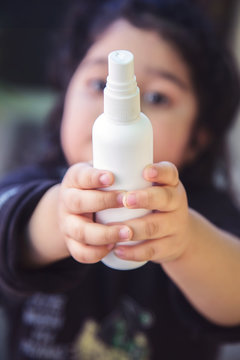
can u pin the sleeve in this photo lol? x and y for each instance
(19, 195)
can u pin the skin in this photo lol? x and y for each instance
(201, 259)
(162, 72)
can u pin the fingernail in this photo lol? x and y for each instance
(152, 172)
(119, 252)
(120, 198)
(105, 179)
(124, 233)
(129, 199)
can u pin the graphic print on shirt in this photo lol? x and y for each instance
(43, 317)
(121, 336)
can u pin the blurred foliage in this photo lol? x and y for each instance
(19, 103)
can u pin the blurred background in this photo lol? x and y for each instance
(27, 31)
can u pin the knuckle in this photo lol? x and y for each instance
(73, 201)
(146, 198)
(88, 178)
(95, 177)
(168, 197)
(151, 228)
(107, 236)
(171, 172)
(133, 256)
(75, 175)
(76, 203)
(150, 198)
(150, 253)
(105, 199)
(82, 175)
(78, 233)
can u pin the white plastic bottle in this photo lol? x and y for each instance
(122, 140)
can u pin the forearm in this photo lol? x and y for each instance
(208, 271)
(44, 243)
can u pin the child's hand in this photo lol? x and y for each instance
(88, 242)
(165, 228)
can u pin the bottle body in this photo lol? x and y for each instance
(124, 149)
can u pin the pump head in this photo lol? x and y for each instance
(121, 66)
(121, 95)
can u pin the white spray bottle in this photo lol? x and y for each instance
(122, 140)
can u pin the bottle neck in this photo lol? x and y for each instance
(122, 105)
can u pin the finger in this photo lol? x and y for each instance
(95, 234)
(81, 201)
(84, 176)
(152, 226)
(160, 250)
(163, 198)
(164, 173)
(144, 251)
(87, 254)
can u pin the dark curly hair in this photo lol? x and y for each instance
(213, 71)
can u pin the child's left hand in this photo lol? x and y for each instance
(165, 229)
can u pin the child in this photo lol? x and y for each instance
(62, 302)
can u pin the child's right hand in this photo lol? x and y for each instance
(87, 241)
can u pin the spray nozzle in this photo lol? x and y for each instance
(121, 66)
(121, 95)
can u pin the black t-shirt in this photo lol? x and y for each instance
(69, 310)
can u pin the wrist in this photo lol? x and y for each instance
(186, 244)
(44, 242)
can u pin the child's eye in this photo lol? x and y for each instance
(156, 98)
(98, 85)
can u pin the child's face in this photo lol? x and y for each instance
(167, 95)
